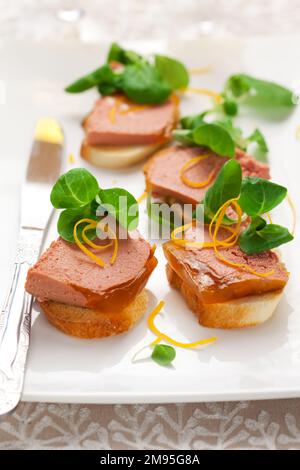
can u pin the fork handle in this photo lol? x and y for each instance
(15, 321)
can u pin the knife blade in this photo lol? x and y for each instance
(43, 169)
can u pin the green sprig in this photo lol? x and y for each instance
(139, 79)
(256, 197)
(79, 194)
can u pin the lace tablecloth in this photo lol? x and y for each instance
(261, 424)
(254, 425)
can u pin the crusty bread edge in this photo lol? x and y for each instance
(245, 312)
(108, 156)
(90, 323)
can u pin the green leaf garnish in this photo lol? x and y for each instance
(85, 83)
(230, 107)
(259, 196)
(117, 53)
(184, 136)
(69, 217)
(172, 71)
(226, 186)
(261, 237)
(259, 139)
(262, 148)
(258, 92)
(190, 123)
(163, 354)
(141, 81)
(74, 189)
(256, 196)
(99, 77)
(215, 138)
(235, 132)
(207, 135)
(78, 192)
(143, 84)
(120, 204)
(193, 121)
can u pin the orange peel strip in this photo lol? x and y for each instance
(268, 215)
(182, 241)
(195, 184)
(142, 197)
(82, 247)
(161, 336)
(71, 158)
(215, 243)
(218, 221)
(200, 70)
(131, 108)
(112, 113)
(93, 224)
(89, 242)
(115, 239)
(204, 91)
(218, 218)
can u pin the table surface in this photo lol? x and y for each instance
(261, 424)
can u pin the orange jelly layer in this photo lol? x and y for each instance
(215, 282)
(115, 300)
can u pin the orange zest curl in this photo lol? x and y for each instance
(71, 159)
(196, 184)
(184, 242)
(200, 70)
(113, 111)
(89, 242)
(204, 91)
(217, 220)
(162, 336)
(269, 217)
(93, 224)
(142, 197)
(215, 243)
(130, 108)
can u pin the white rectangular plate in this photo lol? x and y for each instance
(262, 362)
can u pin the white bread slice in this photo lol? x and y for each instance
(240, 313)
(90, 323)
(110, 156)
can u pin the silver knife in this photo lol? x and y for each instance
(15, 319)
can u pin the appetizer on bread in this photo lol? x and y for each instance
(226, 269)
(184, 172)
(221, 295)
(87, 286)
(120, 133)
(167, 179)
(138, 108)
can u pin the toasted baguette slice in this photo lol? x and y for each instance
(89, 323)
(110, 156)
(240, 313)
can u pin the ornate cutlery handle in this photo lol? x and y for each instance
(15, 321)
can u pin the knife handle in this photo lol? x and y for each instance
(15, 321)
